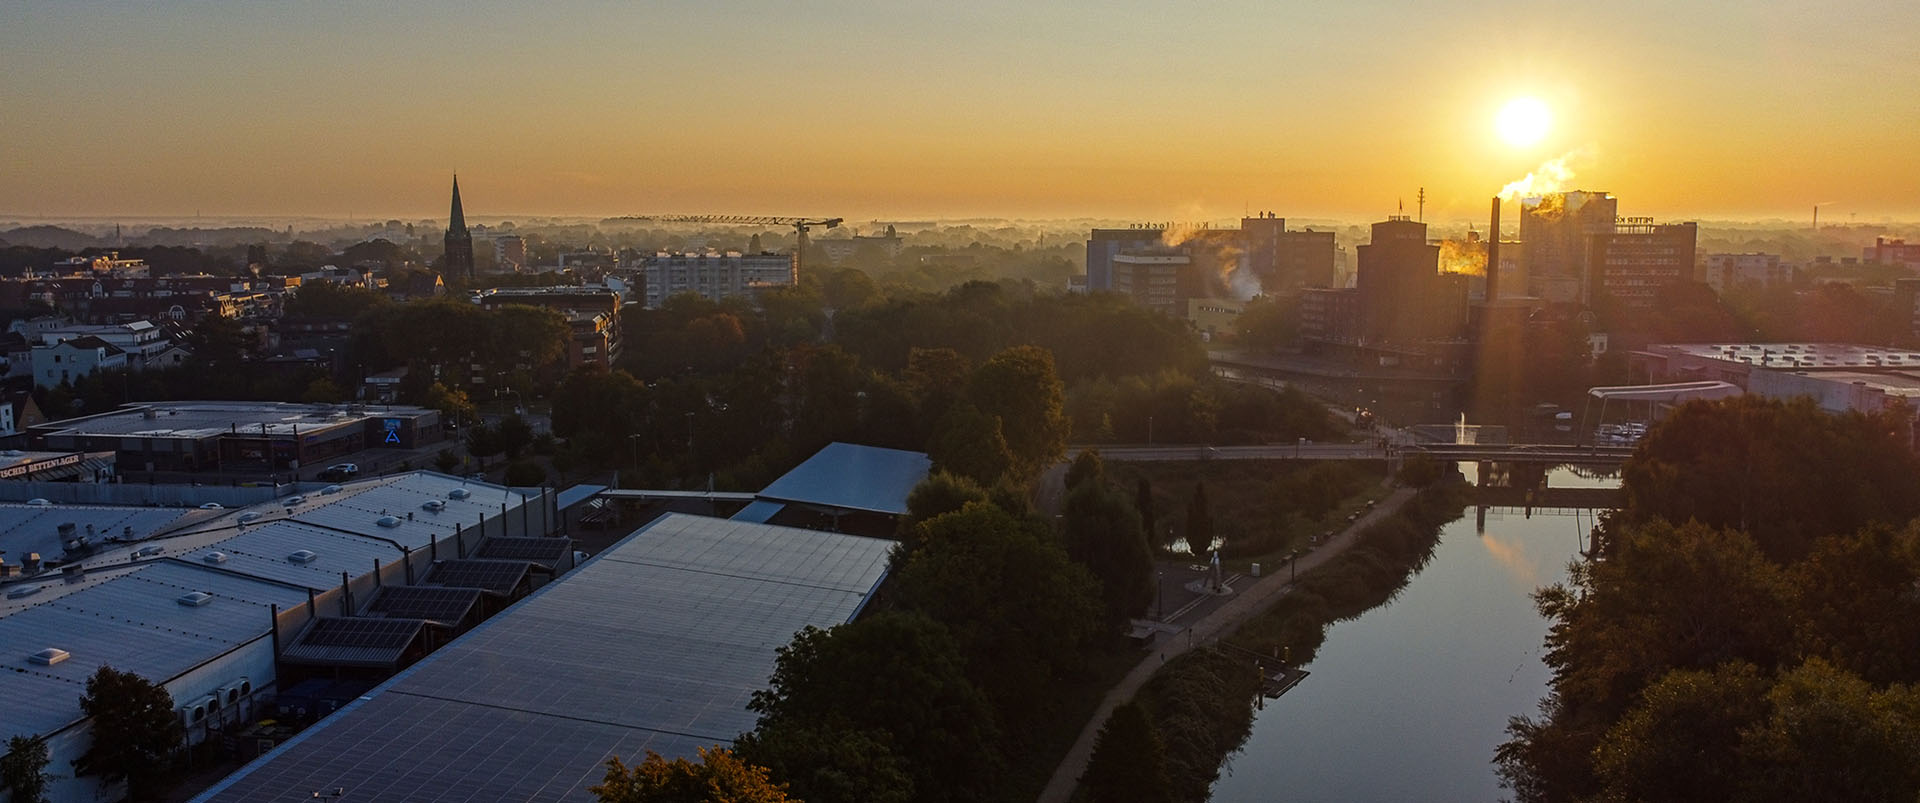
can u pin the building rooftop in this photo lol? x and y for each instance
(847, 477)
(1796, 356)
(656, 644)
(121, 606)
(201, 419)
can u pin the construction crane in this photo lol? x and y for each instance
(801, 225)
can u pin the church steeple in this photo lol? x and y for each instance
(458, 220)
(459, 255)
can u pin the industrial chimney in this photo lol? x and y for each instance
(1493, 254)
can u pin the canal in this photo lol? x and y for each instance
(1408, 701)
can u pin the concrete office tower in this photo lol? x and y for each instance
(1554, 231)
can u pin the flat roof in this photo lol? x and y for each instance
(655, 644)
(203, 419)
(130, 619)
(1672, 391)
(1796, 356)
(845, 476)
(123, 609)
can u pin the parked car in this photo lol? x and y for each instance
(340, 471)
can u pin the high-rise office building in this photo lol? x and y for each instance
(1635, 262)
(1554, 233)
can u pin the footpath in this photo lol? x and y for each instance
(1245, 605)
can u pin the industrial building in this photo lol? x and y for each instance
(1276, 260)
(1746, 271)
(657, 643)
(244, 437)
(1837, 376)
(220, 605)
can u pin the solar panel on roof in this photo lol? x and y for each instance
(438, 603)
(543, 550)
(496, 576)
(379, 634)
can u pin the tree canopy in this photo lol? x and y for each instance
(718, 777)
(135, 729)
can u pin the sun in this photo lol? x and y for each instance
(1523, 122)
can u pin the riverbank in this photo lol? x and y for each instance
(1243, 608)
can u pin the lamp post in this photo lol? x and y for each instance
(1293, 559)
(689, 435)
(1159, 579)
(635, 439)
(1149, 430)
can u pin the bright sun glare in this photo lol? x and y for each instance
(1523, 122)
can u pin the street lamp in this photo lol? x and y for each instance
(1149, 430)
(635, 438)
(689, 434)
(1159, 579)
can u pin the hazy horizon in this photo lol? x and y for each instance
(993, 110)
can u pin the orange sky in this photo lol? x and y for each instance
(910, 110)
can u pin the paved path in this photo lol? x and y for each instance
(1250, 602)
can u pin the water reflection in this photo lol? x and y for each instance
(1409, 701)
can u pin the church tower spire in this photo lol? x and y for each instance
(459, 254)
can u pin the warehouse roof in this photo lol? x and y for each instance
(655, 644)
(844, 476)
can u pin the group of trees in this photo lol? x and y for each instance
(1752, 632)
(988, 619)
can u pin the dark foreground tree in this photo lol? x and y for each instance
(135, 730)
(870, 699)
(23, 771)
(719, 777)
(1199, 523)
(1129, 763)
(1102, 532)
(1086, 467)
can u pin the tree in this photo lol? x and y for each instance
(1143, 502)
(514, 434)
(23, 771)
(1086, 467)
(1784, 471)
(897, 676)
(969, 443)
(1129, 763)
(940, 493)
(1020, 610)
(454, 405)
(483, 440)
(719, 777)
(1199, 523)
(1681, 740)
(135, 730)
(1419, 471)
(1102, 532)
(1019, 387)
(525, 474)
(446, 461)
(322, 391)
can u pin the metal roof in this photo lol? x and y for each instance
(655, 644)
(263, 551)
(130, 619)
(844, 476)
(759, 512)
(203, 419)
(33, 528)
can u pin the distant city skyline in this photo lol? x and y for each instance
(994, 109)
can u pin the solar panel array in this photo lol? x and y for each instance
(353, 642)
(493, 576)
(439, 604)
(548, 551)
(657, 644)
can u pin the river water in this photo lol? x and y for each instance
(1409, 701)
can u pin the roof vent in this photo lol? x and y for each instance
(195, 599)
(304, 556)
(149, 551)
(24, 591)
(39, 502)
(433, 506)
(459, 493)
(388, 521)
(294, 500)
(251, 516)
(331, 489)
(49, 656)
(215, 557)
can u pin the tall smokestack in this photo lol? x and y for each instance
(1493, 253)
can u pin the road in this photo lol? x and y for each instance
(1280, 451)
(1250, 602)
